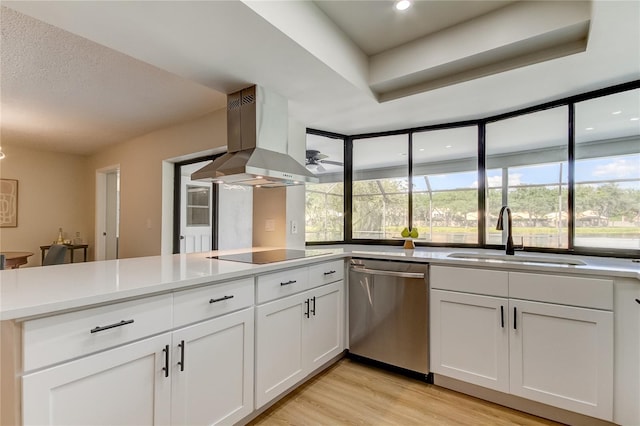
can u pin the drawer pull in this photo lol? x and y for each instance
(181, 362)
(221, 299)
(166, 361)
(289, 282)
(107, 327)
(330, 272)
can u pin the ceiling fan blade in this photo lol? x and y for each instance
(335, 163)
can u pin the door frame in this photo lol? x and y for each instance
(177, 180)
(101, 207)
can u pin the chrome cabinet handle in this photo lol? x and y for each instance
(289, 282)
(330, 272)
(220, 299)
(107, 327)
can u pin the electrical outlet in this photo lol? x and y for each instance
(294, 227)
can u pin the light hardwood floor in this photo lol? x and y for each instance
(350, 393)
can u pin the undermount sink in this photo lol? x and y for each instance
(517, 258)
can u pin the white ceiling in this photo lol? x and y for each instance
(77, 76)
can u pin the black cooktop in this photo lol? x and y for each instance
(267, 256)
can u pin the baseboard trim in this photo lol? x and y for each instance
(518, 403)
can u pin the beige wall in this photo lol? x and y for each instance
(53, 193)
(140, 163)
(269, 204)
(59, 190)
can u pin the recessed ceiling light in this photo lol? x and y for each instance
(634, 119)
(616, 112)
(403, 4)
(421, 149)
(589, 128)
(448, 146)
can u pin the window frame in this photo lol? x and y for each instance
(480, 124)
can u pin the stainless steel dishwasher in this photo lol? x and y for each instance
(389, 313)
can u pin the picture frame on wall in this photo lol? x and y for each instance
(8, 203)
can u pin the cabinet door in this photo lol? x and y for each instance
(626, 409)
(324, 327)
(562, 356)
(122, 386)
(279, 340)
(212, 371)
(470, 339)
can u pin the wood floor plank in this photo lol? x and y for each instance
(351, 393)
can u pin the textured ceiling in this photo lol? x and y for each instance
(65, 93)
(103, 72)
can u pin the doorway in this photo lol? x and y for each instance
(107, 213)
(195, 207)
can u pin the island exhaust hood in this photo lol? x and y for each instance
(257, 133)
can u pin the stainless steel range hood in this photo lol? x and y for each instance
(257, 133)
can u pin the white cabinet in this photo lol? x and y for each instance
(323, 336)
(562, 356)
(470, 339)
(547, 352)
(200, 373)
(627, 352)
(123, 386)
(212, 371)
(294, 335)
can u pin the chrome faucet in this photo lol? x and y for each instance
(499, 227)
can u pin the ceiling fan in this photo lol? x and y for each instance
(315, 159)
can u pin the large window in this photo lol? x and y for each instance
(527, 170)
(324, 212)
(380, 187)
(607, 174)
(568, 170)
(445, 182)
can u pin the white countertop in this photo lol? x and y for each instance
(38, 291)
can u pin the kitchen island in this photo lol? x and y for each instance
(253, 299)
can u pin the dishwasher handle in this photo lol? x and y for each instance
(419, 275)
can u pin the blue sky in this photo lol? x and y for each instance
(598, 169)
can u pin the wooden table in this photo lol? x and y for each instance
(71, 248)
(13, 259)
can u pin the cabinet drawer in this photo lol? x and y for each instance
(191, 306)
(58, 338)
(565, 290)
(324, 273)
(469, 280)
(279, 284)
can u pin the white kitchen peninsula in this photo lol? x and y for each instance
(174, 333)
